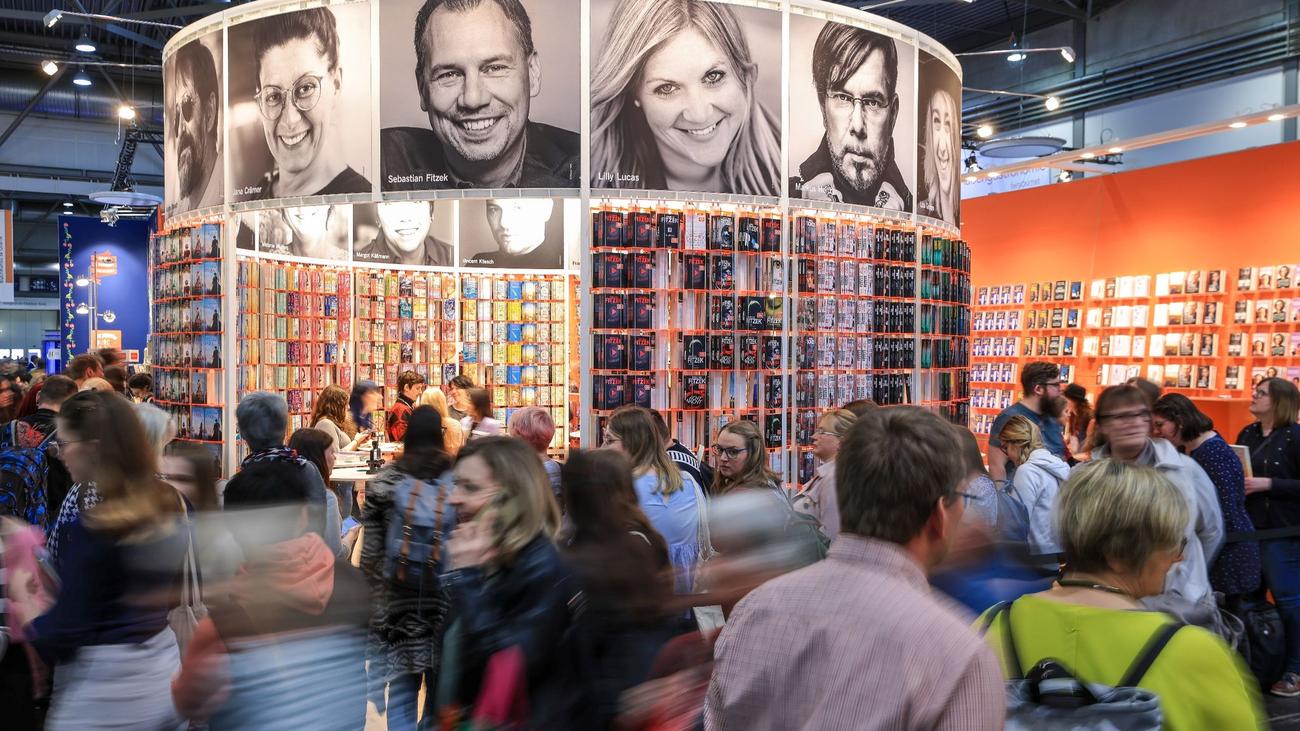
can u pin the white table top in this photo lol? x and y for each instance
(352, 474)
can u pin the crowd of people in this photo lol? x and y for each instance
(477, 580)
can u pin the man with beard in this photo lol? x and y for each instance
(405, 237)
(518, 227)
(1042, 404)
(855, 73)
(195, 127)
(477, 71)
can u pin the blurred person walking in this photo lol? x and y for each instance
(118, 576)
(406, 520)
(1122, 527)
(534, 425)
(668, 496)
(858, 641)
(479, 422)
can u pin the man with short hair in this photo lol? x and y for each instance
(406, 237)
(458, 390)
(194, 128)
(38, 427)
(477, 71)
(518, 227)
(855, 73)
(859, 641)
(84, 367)
(1041, 404)
(409, 387)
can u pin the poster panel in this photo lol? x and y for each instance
(512, 233)
(193, 114)
(938, 141)
(685, 96)
(314, 232)
(479, 97)
(299, 101)
(852, 115)
(405, 233)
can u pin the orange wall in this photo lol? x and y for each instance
(1223, 212)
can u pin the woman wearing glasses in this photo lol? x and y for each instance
(741, 460)
(1123, 433)
(1273, 501)
(299, 83)
(674, 103)
(817, 498)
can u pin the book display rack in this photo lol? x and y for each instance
(1209, 334)
(185, 348)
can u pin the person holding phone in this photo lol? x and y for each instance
(507, 584)
(331, 416)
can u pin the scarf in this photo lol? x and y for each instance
(274, 454)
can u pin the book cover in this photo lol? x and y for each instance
(611, 311)
(722, 351)
(773, 430)
(613, 392)
(1245, 279)
(1076, 290)
(1295, 310)
(670, 231)
(1177, 282)
(771, 354)
(1284, 276)
(1277, 345)
(771, 235)
(722, 312)
(1191, 313)
(1232, 377)
(721, 233)
(643, 270)
(1059, 291)
(1209, 345)
(611, 228)
(1279, 311)
(750, 236)
(643, 229)
(695, 391)
(612, 354)
(774, 393)
(1264, 278)
(1259, 344)
(642, 390)
(610, 269)
(755, 312)
(748, 352)
(643, 311)
(695, 269)
(695, 352)
(1235, 344)
(1193, 282)
(774, 312)
(1295, 345)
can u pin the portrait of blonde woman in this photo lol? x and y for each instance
(678, 101)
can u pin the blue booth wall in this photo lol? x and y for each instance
(125, 293)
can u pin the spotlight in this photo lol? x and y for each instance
(49, 67)
(85, 45)
(1087, 156)
(67, 204)
(1016, 57)
(53, 17)
(82, 78)
(984, 131)
(83, 309)
(1237, 125)
(125, 112)
(1052, 103)
(82, 282)
(109, 316)
(1067, 53)
(1276, 117)
(1115, 150)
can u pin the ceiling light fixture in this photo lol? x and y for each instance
(994, 173)
(1087, 156)
(85, 45)
(125, 112)
(54, 16)
(1237, 125)
(1052, 103)
(82, 78)
(1067, 53)
(1115, 150)
(984, 131)
(49, 67)
(67, 204)
(1276, 117)
(1016, 54)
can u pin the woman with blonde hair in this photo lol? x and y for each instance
(674, 105)
(453, 436)
(667, 495)
(507, 584)
(159, 426)
(1034, 485)
(119, 565)
(330, 415)
(1122, 527)
(741, 460)
(817, 497)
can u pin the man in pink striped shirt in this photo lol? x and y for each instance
(859, 641)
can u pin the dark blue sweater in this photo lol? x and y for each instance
(113, 592)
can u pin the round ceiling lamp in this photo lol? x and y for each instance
(125, 198)
(1021, 147)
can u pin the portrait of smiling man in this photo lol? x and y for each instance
(855, 73)
(477, 74)
(404, 234)
(194, 128)
(512, 233)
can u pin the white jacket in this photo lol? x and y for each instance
(1036, 484)
(1188, 579)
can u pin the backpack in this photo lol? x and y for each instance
(1013, 516)
(1051, 698)
(24, 469)
(414, 535)
(804, 528)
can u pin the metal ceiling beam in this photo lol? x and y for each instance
(118, 30)
(1060, 7)
(36, 99)
(182, 12)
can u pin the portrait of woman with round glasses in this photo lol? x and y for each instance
(289, 95)
(680, 100)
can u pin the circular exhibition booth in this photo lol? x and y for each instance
(719, 210)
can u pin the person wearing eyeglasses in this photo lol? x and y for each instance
(855, 73)
(741, 460)
(1032, 494)
(817, 497)
(193, 129)
(1124, 433)
(299, 85)
(1042, 405)
(1273, 501)
(1122, 530)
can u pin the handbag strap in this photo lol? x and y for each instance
(1142, 663)
(190, 590)
(1008, 640)
(404, 552)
